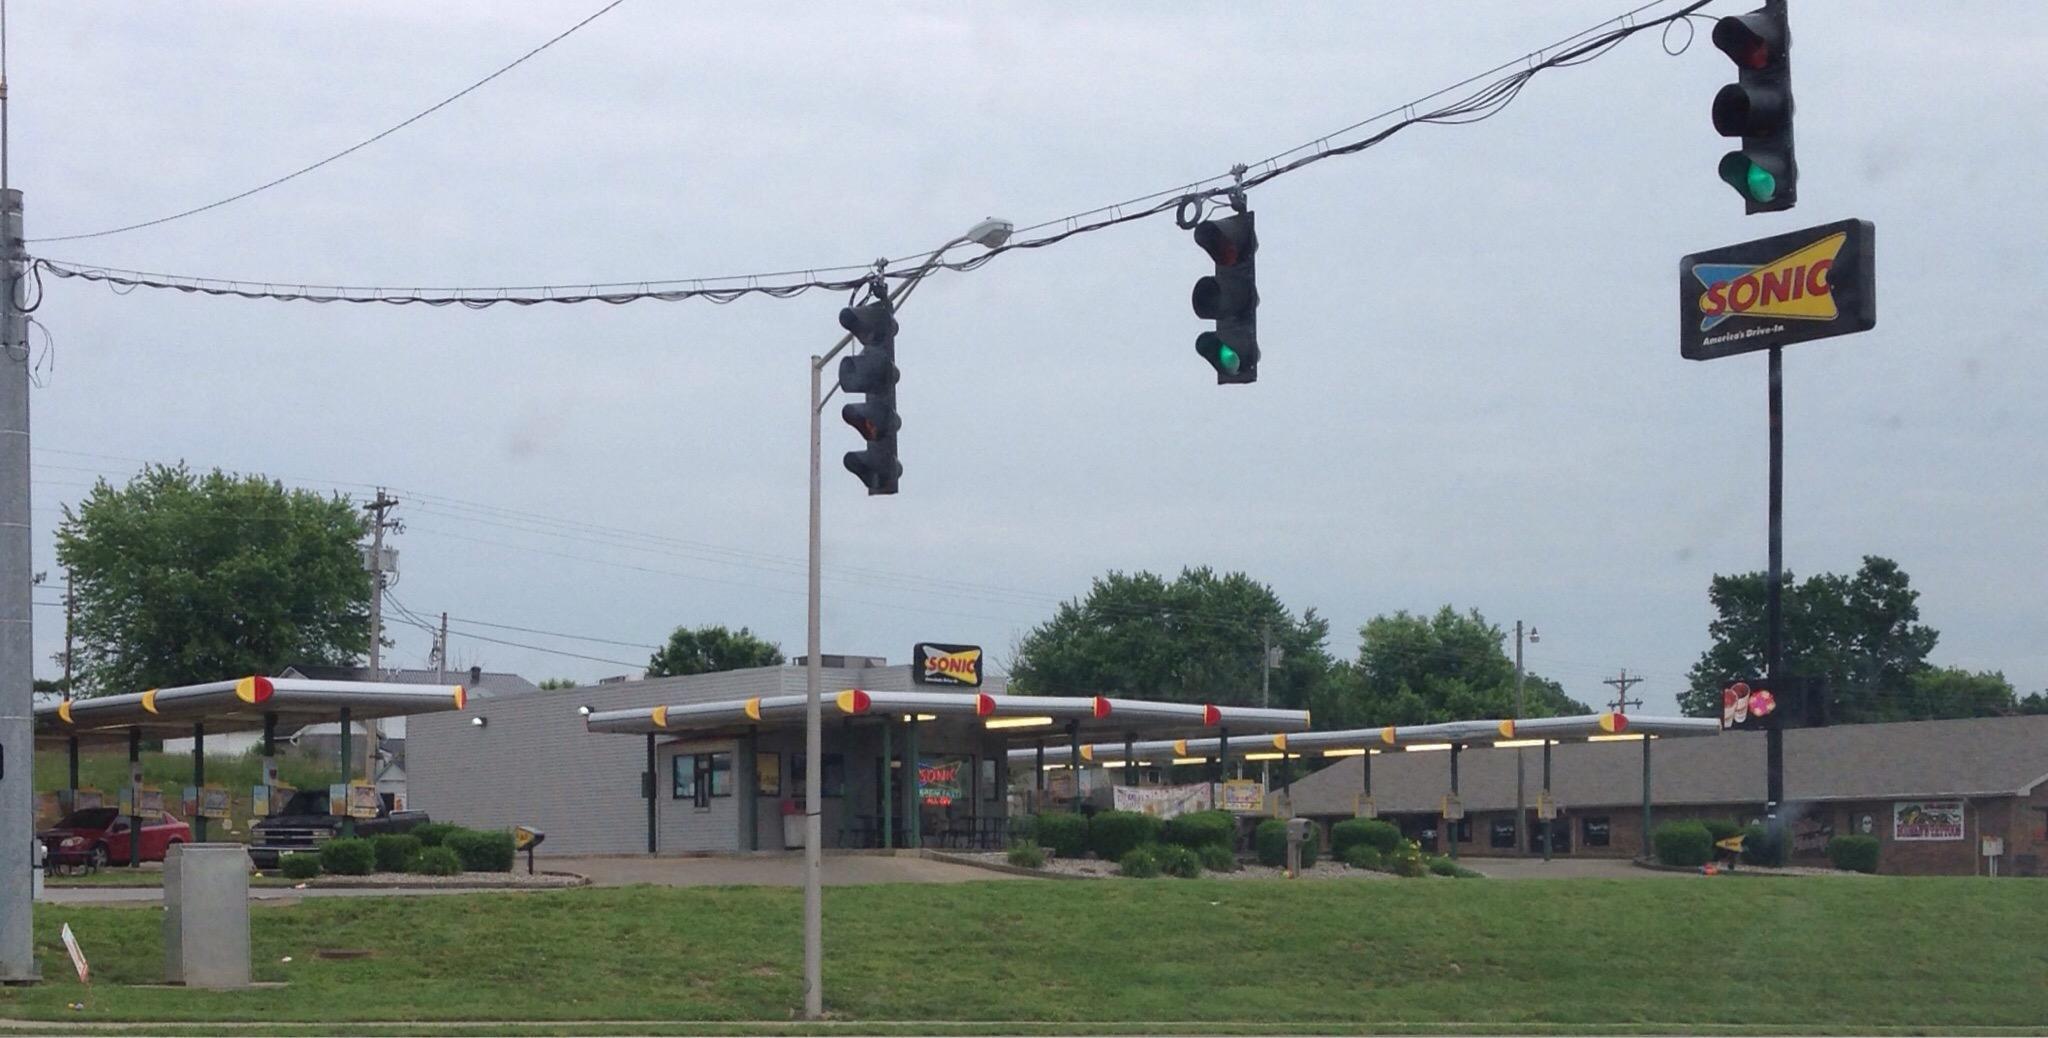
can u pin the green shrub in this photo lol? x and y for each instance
(1023, 831)
(1720, 828)
(300, 865)
(1026, 856)
(1269, 840)
(482, 852)
(394, 851)
(1382, 837)
(1113, 834)
(1853, 853)
(1139, 863)
(1217, 858)
(1759, 849)
(1202, 829)
(1066, 834)
(1407, 861)
(1363, 856)
(347, 856)
(433, 834)
(1177, 861)
(1447, 867)
(437, 861)
(1682, 843)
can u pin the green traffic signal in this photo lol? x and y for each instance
(1748, 177)
(1226, 358)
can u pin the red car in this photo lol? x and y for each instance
(98, 836)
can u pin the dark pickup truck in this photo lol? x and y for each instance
(304, 824)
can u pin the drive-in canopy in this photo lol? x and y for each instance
(237, 705)
(1353, 741)
(1024, 717)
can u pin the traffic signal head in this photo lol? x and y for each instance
(1758, 108)
(872, 373)
(1230, 298)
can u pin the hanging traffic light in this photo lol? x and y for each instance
(1758, 108)
(872, 373)
(1230, 298)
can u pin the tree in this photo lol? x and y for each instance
(181, 579)
(557, 684)
(2034, 703)
(703, 650)
(1451, 666)
(1859, 634)
(47, 686)
(1195, 639)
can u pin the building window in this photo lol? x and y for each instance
(683, 777)
(1597, 831)
(989, 789)
(700, 776)
(1463, 830)
(768, 774)
(1501, 833)
(832, 783)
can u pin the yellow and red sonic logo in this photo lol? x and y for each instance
(1795, 286)
(961, 667)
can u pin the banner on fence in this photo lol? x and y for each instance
(1163, 801)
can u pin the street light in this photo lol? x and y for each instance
(989, 233)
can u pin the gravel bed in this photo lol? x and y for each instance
(519, 880)
(1092, 869)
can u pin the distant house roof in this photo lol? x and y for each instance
(1985, 756)
(488, 683)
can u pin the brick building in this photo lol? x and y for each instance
(1938, 795)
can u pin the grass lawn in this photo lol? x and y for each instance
(1836, 955)
(143, 877)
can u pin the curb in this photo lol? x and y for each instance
(992, 866)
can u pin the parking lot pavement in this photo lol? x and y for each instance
(1565, 868)
(774, 870)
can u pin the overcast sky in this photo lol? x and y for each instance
(1471, 390)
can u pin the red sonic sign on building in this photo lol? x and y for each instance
(1788, 288)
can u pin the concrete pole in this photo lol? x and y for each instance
(1646, 796)
(653, 788)
(888, 804)
(269, 765)
(348, 770)
(198, 780)
(1548, 823)
(1521, 797)
(17, 642)
(135, 796)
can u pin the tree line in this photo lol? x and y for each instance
(181, 577)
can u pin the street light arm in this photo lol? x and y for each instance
(896, 302)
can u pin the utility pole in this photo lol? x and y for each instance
(70, 617)
(17, 642)
(378, 524)
(1622, 684)
(441, 652)
(1266, 695)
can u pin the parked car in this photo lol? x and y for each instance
(98, 837)
(305, 824)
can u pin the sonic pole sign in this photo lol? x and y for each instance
(1810, 284)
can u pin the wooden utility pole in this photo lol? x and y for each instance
(1622, 684)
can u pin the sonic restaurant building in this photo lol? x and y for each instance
(714, 763)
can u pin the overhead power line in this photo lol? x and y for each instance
(1499, 86)
(345, 152)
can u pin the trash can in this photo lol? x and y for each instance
(792, 825)
(206, 915)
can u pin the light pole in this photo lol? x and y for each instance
(1521, 797)
(989, 233)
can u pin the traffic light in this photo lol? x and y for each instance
(872, 373)
(1230, 298)
(1758, 108)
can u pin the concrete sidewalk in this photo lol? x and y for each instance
(770, 870)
